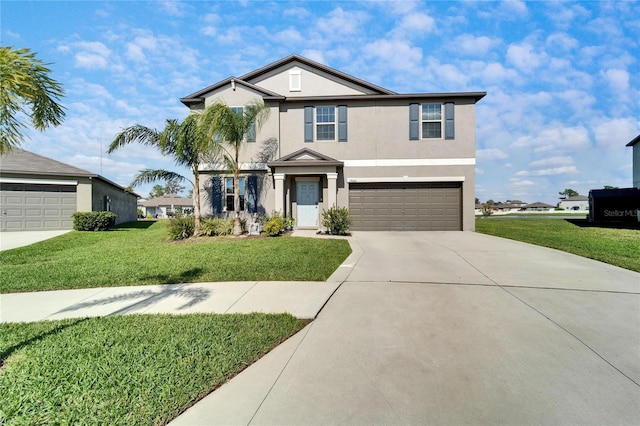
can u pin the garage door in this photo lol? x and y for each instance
(406, 206)
(26, 207)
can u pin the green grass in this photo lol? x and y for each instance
(139, 254)
(126, 370)
(619, 247)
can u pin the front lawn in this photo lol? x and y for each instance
(139, 254)
(126, 370)
(619, 247)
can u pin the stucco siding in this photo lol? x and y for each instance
(121, 203)
(636, 165)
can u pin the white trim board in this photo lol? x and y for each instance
(38, 181)
(403, 162)
(407, 179)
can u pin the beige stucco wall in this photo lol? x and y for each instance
(123, 204)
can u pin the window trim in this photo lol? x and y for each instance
(317, 124)
(243, 194)
(423, 120)
(295, 80)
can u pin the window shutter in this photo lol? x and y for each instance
(449, 125)
(414, 122)
(308, 124)
(216, 194)
(252, 194)
(251, 133)
(342, 123)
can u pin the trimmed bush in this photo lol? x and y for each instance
(274, 226)
(181, 228)
(213, 227)
(337, 220)
(93, 221)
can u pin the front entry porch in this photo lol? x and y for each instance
(300, 180)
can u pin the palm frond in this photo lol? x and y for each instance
(152, 175)
(137, 133)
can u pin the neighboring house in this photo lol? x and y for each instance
(397, 161)
(510, 206)
(537, 207)
(166, 206)
(577, 202)
(38, 193)
(635, 143)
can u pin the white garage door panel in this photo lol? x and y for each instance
(25, 207)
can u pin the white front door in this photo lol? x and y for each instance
(307, 196)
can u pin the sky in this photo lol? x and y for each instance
(562, 78)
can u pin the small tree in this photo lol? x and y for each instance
(568, 192)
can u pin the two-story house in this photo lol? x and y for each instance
(397, 161)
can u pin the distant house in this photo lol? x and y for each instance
(167, 206)
(509, 206)
(538, 207)
(576, 202)
(635, 143)
(38, 193)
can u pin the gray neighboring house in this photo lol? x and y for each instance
(166, 206)
(397, 161)
(577, 202)
(538, 206)
(635, 143)
(38, 193)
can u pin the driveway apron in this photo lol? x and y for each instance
(452, 328)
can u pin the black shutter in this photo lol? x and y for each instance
(342, 123)
(308, 124)
(252, 194)
(414, 122)
(217, 194)
(449, 125)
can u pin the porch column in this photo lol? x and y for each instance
(332, 189)
(279, 190)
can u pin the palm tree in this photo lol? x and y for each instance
(185, 141)
(230, 130)
(26, 90)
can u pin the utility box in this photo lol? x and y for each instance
(614, 205)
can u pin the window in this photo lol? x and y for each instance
(295, 80)
(327, 120)
(431, 121)
(326, 123)
(251, 133)
(228, 183)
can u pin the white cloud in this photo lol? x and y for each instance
(340, 23)
(561, 138)
(491, 154)
(523, 56)
(552, 161)
(90, 55)
(520, 182)
(394, 54)
(413, 25)
(618, 80)
(615, 132)
(314, 55)
(469, 44)
(549, 172)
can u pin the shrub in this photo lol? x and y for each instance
(213, 227)
(181, 228)
(93, 221)
(337, 220)
(274, 226)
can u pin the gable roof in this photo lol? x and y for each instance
(18, 161)
(634, 141)
(308, 62)
(168, 200)
(24, 162)
(305, 157)
(196, 98)
(576, 198)
(538, 204)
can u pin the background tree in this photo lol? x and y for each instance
(477, 200)
(610, 187)
(231, 130)
(185, 141)
(568, 192)
(26, 91)
(170, 187)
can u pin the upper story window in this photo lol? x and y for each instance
(324, 123)
(431, 121)
(251, 134)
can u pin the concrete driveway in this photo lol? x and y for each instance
(14, 239)
(452, 328)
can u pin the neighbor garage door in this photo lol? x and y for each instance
(27, 207)
(406, 206)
